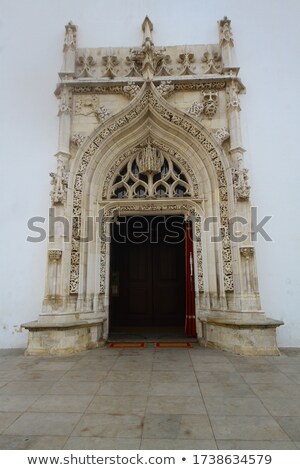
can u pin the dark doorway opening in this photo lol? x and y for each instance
(147, 281)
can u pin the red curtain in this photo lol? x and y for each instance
(190, 317)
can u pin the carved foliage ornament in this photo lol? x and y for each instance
(86, 65)
(54, 255)
(90, 105)
(59, 181)
(78, 139)
(166, 88)
(148, 99)
(221, 135)
(110, 63)
(186, 59)
(247, 251)
(212, 62)
(240, 183)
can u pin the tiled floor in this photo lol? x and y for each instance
(150, 399)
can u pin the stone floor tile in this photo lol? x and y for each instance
(10, 364)
(26, 388)
(63, 403)
(174, 353)
(255, 445)
(276, 390)
(294, 378)
(16, 402)
(138, 367)
(256, 428)
(128, 376)
(180, 444)
(282, 406)
(2, 384)
(265, 377)
(97, 443)
(213, 367)
(146, 353)
(172, 366)
(161, 426)
(40, 424)
(165, 376)
(208, 359)
(219, 377)
(6, 419)
(101, 366)
(289, 368)
(195, 427)
(73, 388)
(291, 425)
(123, 388)
(46, 442)
(5, 353)
(297, 444)
(236, 359)
(9, 375)
(109, 425)
(175, 405)
(84, 375)
(205, 352)
(231, 406)
(125, 405)
(16, 442)
(134, 360)
(254, 368)
(41, 375)
(53, 365)
(174, 389)
(224, 389)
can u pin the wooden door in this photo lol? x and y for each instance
(147, 281)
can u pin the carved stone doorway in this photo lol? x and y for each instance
(147, 281)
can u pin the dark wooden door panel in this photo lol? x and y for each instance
(151, 281)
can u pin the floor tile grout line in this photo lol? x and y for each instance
(208, 417)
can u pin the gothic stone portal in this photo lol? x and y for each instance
(150, 131)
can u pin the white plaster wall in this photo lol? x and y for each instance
(267, 46)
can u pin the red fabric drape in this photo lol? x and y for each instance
(190, 317)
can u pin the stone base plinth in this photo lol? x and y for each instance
(63, 339)
(248, 338)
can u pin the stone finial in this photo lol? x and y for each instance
(225, 32)
(147, 28)
(144, 61)
(70, 40)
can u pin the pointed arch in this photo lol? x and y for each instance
(150, 116)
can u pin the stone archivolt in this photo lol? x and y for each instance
(149, 154)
